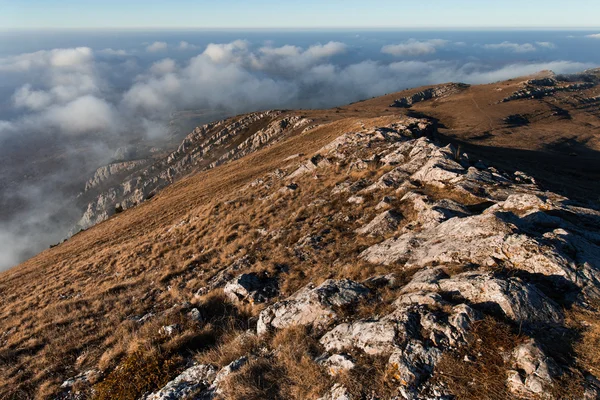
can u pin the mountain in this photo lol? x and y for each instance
(440, 243)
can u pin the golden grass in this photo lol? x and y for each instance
(289, 373)
(484, 377)
(72, 307)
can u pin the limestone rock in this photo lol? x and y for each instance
(311, 305)
(337, 363)
(385, 223)
(196, 378)
(250, 288)
(337, 392)
(532, 371)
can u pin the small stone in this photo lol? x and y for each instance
(169, 330)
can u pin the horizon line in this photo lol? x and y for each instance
(300, 28)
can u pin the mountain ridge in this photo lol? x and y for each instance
(407, 248)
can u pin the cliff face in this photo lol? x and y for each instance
(335, 254)
(124, 185)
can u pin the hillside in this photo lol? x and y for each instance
(440, 242)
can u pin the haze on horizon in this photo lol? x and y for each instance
(238, 14)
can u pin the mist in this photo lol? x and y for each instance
(70, 105)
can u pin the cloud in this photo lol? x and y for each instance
(113, 52)
(35, 100)
(228, 52)
(547, 45)
(156, 47)
(594, 36)
(84, 115)
(183, 45)
(414, 47)
(74, 58)
(163, 66)
(513, 47)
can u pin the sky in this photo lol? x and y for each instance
(161, 14)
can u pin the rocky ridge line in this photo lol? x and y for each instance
(206, 147)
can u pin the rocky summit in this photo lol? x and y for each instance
(370, 253)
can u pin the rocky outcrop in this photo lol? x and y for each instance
(428, 94)
(202, 382)
(194, 379)
(532, 371)
(539, 92)
(441, 245)
(315, 306)
(251, 288)
(206, 147)
(113, 172)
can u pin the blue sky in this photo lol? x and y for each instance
(38, 14)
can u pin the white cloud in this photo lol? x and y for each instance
(83, 115)
(513, 47)
(113, 52)
(547, 45)
(71, 57)
(594, 36)
(183, 45)
(330, 49)
(35, 100)
(156, 47)
(74, 58)
(414, 47)
(164, 66)
(223, 53)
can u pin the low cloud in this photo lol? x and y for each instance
(414, 47)
(156, 47)
(87, 114)
(113, 52)
(594, 36)
(547, 45)
(183, 45)
(512, 47)
(72, 59)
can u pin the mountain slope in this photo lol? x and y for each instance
(411, 264)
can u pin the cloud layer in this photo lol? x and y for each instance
(414, 47)
(98, 100)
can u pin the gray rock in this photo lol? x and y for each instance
(383, 224)
(311, 305)
(338, 363)
(337, 392)
(250, 288)
(196, 378)
(532, 371)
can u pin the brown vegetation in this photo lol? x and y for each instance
(75, 307)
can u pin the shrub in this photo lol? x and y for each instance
(137, 374)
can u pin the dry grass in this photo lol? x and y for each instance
(72, 307)
(587, 349)
(289, 373)
(484, 378)
(139, 373)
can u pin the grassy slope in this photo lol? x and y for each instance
(68, 304)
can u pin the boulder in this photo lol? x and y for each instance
(337, 392)
(337, 363)
(532, 371)
(250, 288)
(311, 305)
(195, 379)
(385, 223)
